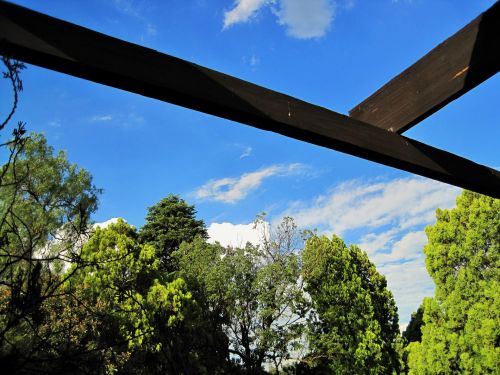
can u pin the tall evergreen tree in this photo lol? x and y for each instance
(354, 327)
(461, 332)
(200, 345)
(413, 331)
(169, 223)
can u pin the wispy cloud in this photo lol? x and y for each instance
(385, 218)
(254, 61)
(348, 4)
(402, 203)
(390, 216)
(151, 29)
(243, 11)
(234, 189)
(120, 119)
(302, 19)
(128, 7)
(100, 118)
(55, 124)
(408, 248)
(409, 283)
(246, 152)
(137, 10)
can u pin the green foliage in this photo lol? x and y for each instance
(125, 275)
(254, 293)
(354, 327)
(45, 208)
(202, 333)
(461, 328)
(43, 197)
(169, 223)
(413, 331)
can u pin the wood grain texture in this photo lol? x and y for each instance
(457, 65)
(58, 45)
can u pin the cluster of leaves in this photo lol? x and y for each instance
(355, 322)
(460, 326)
(252, 294)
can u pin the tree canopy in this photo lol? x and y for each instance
(413, 331)
(461, 328)
(354, 322)
(75, 298)
(254, 294)
(45, 208)
(169, 223)
(142, 306)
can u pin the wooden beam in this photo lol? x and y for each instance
(58, 45)
(457, 65)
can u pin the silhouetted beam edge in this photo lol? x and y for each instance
(463, 61)
(58, 45)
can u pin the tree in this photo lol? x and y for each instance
(354, 327)
(16, 143)
(202, 333)
(413, 331)
(141, 307)
(254, 294)
(461, 328)
(169, 223)
(45, 208)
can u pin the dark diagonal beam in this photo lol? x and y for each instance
(58, 45)
(457, 65)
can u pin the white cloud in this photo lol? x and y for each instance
(254, 61)
(348, 4)
(151, 30)
(55, 124)
(138, 10)
(235, 235)
(402, 203)
(373, 242)
(128, 7)
(119, 119)
(410, 283)
(302, 19)
(243, 11)
(407, 248)
(306, 19)
(233, 189)
(107, 223)
(101, 118)
(246, 152)
(391, 215)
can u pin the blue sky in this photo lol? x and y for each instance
(331, 53)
